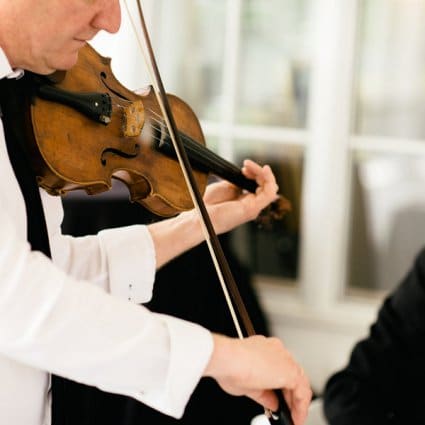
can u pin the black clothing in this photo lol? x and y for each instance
(14, 109)
(383, 381)
(12, 103)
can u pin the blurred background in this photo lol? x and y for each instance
(331, 94)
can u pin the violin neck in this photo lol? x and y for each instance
(205, 160)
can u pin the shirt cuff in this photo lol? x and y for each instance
(191, 347)
(131, 262)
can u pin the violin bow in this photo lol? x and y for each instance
(227, 281)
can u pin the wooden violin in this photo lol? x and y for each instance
(87, 128)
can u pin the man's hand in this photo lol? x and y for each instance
(229, 207)
(255, 366)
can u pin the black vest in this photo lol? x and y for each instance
(14, 97)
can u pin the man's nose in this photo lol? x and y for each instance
(109, 17)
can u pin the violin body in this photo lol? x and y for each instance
(72, 151)
(85, 128)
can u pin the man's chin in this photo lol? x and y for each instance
(63, 64)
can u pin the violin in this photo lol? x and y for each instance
(87, 128)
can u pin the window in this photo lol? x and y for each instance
(388, 210)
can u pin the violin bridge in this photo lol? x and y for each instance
(133, 119)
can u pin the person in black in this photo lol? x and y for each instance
(382, 382)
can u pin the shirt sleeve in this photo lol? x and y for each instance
(62, 325)
(122, 260)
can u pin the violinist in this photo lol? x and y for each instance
(70, 306)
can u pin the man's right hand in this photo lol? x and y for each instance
(256, 365)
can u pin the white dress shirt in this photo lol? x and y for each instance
(72, 317)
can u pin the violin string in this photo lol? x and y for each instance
(197, 149)
(160, 127)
